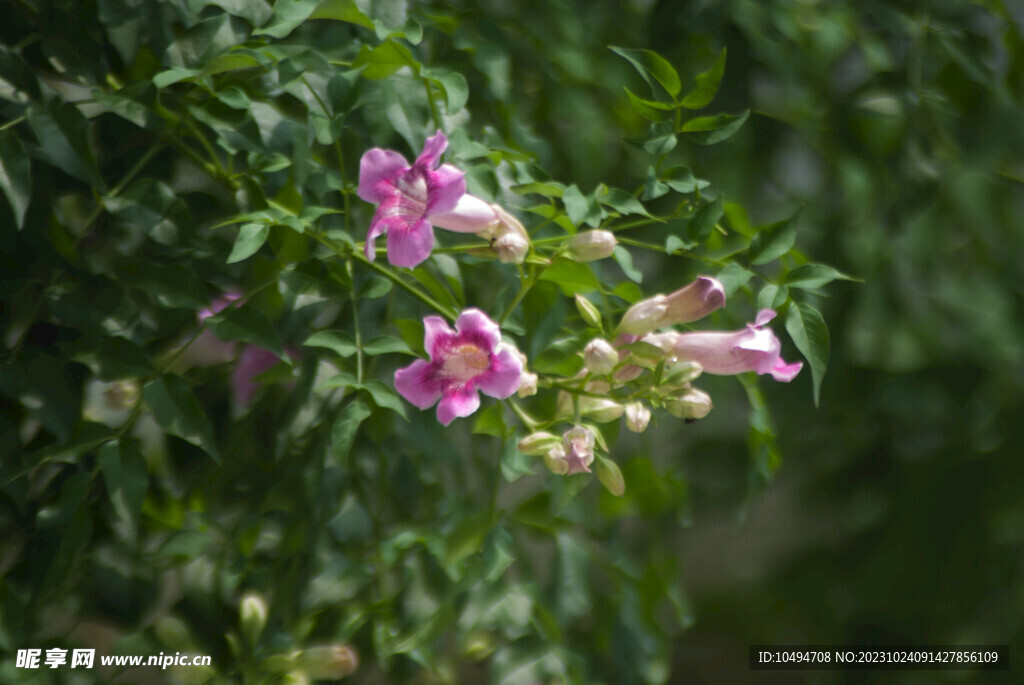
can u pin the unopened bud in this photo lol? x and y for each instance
(600, 357)
(600, 409)
(555, 461)
(527, 385)
(253, 616)
(328, 663)
(588, 312)
(681, 373)
(693, 404)
(645, 316)
(637, 417)
(590, 246)
(511, 241)
(610, 476)
(538, 444)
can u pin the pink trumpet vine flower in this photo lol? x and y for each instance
(462, 362)
(754, 348)
(407, 197)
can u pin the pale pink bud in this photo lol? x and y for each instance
(555, 461)
(329, 663)
(527, 385)
(637, 417)
(692, 404)
(511, 241)
(470, 215)
(691, 303)
(600, 357)
(578, 443)
(589, 246)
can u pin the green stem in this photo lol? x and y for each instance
(523, 290)
(12, 123)
(528, 421)
(433, 107)
(355, 323)
(122, 184)
(222, 172)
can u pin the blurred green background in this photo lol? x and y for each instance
(896, 516)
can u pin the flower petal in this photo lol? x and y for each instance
(378, 225)
(418, 384)
(458, 401)
(437, 336)
(253, 361)
(445, 187)
(503, 377)
(784, 372)
(470, 215)
(432, 150)
(377, 171)
(476, 327)
(410, 246)
(764, 316)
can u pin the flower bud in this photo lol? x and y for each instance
(511, 241)
(555, 461)
(578, 443)
(588, 312)
(253, 615)
(600, 409)
(645, 316)
(590, 246)
(693, 404)
(680, 373)
(527, 384)
(329, 663)
(610, 476)
(637, 417)
(538, 444)
(600, 357)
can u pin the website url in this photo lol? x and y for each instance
(162, 660)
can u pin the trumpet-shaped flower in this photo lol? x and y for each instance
(407, 197)
(462, 362)
(691, 303)
(578, 443)
(754, 348)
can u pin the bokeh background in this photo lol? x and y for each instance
(895, 515)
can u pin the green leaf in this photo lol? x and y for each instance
(385, 59)
(571, 276)
(247, 324)
(385, 398)
(547, 189)
(707, 85)
(287, 16)
(118, 358)
(250, 239)
(337, 341)
(622, 202)
(651, 110)
(155, 208)
(773, 241)
(86, 437)
(682, 180)
(498, 555)
(453, 85)
(176, 410)
(576, 205)
(62, 131)
(625, 261)
(343, 432)
(386, 344)
(714, 129)
(376, 286)
(342, 10)
(514, 464)
(467, 538)
(172, 285)
(15, 175)
(703, 222)
(772, 297)
(648, 64)
(814, 276)
(810, 335)
(733, 277)
(232, 61)
(490, 421)
(340, 380)
(173, 75)
(127, 478)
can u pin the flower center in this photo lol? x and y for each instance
(413, 185)
(466, 361)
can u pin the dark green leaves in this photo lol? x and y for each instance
(246, 324)
(343, 432)
(707, 85)
(175, 408)
(714, 129)
(62, 132)
(703, 222)
(810, 335)
(127, 478)
(15, 175)
(250, 239)
(814, 276)
(773, 241)
(650, 65)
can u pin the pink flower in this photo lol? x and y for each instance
(754, 348)
(687, 304)
(252, 362)
(407, 197)
(462, 362)
(578, 443)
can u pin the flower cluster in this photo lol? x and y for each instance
(648, 361)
